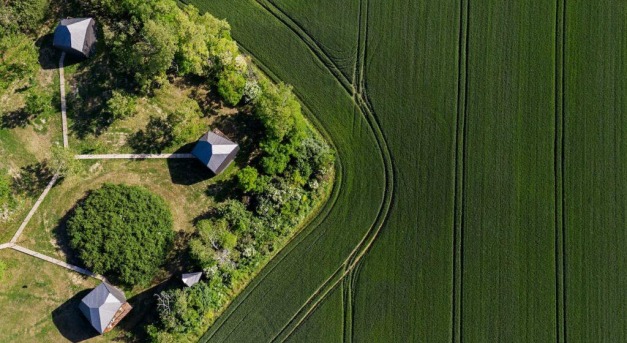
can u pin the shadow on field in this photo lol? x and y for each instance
(70, 321)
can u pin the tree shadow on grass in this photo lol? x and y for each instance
(14, 119)
(70, 321)
(63, 239)
(33, 178)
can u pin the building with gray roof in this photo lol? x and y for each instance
(215, 151)
(190, 279)
(76, 36)
(104, 307)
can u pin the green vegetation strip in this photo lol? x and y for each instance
(595, 171)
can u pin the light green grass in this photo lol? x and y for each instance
(33, 294)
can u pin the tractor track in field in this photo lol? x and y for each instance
(363, 102)
(460, 175)
(560, 227)
(365, 243)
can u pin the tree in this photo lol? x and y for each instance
(247, 179)
(124, 232)
(18, 60)
(231, 85)
(152, 55)
(277, 109)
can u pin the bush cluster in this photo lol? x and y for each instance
(123, 232)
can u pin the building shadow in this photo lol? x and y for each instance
(70, 321)
(144, 310)
(187, 171)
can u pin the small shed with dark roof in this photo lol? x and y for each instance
(215, 151)
(104, 307)
(76, 36)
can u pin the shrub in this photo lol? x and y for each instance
(277, 109)
(122, 231)
(38, 103)
(18, 60)
(231, 86)
(121, 105)
(183, 310)
(247, 179)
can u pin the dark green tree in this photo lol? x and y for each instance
(123, 232)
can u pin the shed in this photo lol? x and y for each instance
(104, 307)
(76, 36)
(190, 279)
(215, 151)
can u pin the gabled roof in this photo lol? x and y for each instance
(101, 305)
(76, 36)
(191, 279)
(215, 151)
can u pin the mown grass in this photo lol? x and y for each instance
(595, 171)
(184, 185)
(279, 291)
(33, 295)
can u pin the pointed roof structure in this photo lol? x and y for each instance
(76, 36)
(104, 306)
(215, 151)
(191, 279)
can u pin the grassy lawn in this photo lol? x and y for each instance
(183, 184)
(35, 298)
(23, 144)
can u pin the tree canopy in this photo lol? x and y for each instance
(123, 232)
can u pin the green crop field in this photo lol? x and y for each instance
(483, 171)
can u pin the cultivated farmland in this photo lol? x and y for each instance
(499, 130)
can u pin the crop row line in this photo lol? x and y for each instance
(560, 230)
(460, 175)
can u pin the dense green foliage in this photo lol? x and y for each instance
(123, 232)
(182, 310)
(121, 105)
(22, 15)
(18, 60)
(149, 39)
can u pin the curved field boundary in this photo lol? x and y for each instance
(359, 250)
(367, 111)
